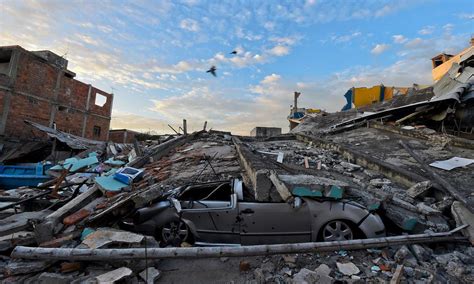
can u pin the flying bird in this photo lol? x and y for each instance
(212, 70)
(233, 52)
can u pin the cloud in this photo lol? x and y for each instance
(426, 30)
(379, 48)
(466, 16)
(399, 39)
(280, 50)
(270, 79)
(189, 25)
(345, 38)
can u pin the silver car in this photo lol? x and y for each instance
(216, 213)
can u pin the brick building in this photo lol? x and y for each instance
(37, 86)
(122, 135)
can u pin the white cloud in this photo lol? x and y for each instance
(345, 38)
(279, 50)
(399, 39)
(189, 25)
(426, 30)
(273, 78)
(379, 48)
(466, 16)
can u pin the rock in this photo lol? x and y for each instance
(289, 258)
(404, 256)
(348, 268)
(259, 276)
(379, 182)
(268, 267)
(350, 167)
(114, 275)
(455, 269)
(306, 276)
(152, 273)
(54, 278)
(323, 272)
(419, 189)
(421, 253)
(22, 267)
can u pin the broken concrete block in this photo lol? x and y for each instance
(150, 275)
(347, 268)
(306, 276)
(23, 267)
(54, 278)
(19, 222)
(106, 236)
(323, 272)
(350, 167)
(114, 275)
(425, 209)
(463, 216)
(404, 256)
(419, 189)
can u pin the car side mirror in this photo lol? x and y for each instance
(297, 202)
(176, 204)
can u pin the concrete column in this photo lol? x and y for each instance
(86, 113)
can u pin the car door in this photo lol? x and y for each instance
(273, 223)
(215, 221)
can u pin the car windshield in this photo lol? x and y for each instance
(213, 191)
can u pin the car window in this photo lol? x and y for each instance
(216, 192)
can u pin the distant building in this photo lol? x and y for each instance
(122, 135)
(37, 86)
(265, 131)
(360, 97)
(443, 62)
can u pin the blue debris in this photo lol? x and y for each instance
(306, 192)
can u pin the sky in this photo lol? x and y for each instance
(153, 55)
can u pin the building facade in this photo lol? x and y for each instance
(37, 86)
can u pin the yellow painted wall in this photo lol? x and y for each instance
(366, 96)
(439, 71)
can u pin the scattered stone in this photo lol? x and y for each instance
(421, 253)
(289, 258)
(397, 275)
(455, 269)
(268, 267)
(462, 216)
(114, 275)
(348, 268)
(152, 273)
(323, 272)
(286, 270)
(419, 189)
(350, 167)
(306, 276)
(54, 278)
(404, 256)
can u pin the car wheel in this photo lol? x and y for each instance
(337, 230)
(175, 232)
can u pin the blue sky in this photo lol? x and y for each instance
(153, 54)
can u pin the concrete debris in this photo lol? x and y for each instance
(150, 275)
(348, 268)
(104, 236)
(114, 275)
(419, 189)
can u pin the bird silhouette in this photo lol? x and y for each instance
(233, 52)
(212, 70)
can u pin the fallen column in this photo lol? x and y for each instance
(205, 252)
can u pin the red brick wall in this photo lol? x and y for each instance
(118, 136)
(38, 78)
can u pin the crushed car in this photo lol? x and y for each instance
(216, 213)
